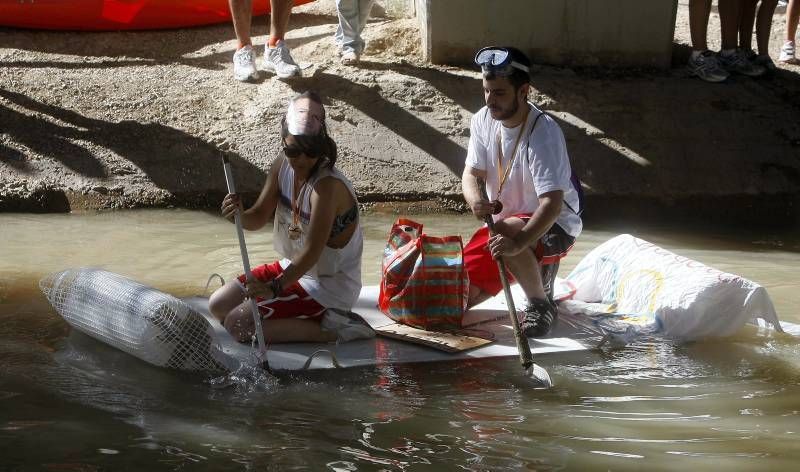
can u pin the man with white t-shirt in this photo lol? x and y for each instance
(517, 157)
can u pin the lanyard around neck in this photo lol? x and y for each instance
(502, 174)
(296, 203)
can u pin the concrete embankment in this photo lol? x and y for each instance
(125, 120)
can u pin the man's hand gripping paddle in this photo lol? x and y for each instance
(537, 372)
(261, 356)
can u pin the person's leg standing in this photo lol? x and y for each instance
(353, 15)
(702, 62)
(699, 11)
(244, 59)
(747, 18)
(766, 10)
(347, 11)
(762, 23)
(729, 15)
(792, 17)
(277, 57)
(731, 58)
(280, 11)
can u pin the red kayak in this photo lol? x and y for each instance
(112, 15)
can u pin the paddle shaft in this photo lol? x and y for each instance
(262, 345)
(525, 355)
(524, 349)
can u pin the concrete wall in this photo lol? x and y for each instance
(626, 33)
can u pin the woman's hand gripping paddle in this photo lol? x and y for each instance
(537, 372)
(261, 356)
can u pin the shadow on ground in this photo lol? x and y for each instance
(188, 168)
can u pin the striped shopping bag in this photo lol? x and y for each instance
(424, 283)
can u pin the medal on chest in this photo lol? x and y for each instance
(294, 232)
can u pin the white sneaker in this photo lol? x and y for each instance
(787, 52)
(347, 326)
(279, 61)
(244, 64)
(350, 57)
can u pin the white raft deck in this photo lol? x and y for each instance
(568, 335)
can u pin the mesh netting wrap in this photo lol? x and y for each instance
(140, 320)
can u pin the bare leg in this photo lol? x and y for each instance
(747, 20)
(224, 300)
(524, 265)
(792, 17)
(528, 284)
(240, 324)
(764, 25)
(228, 305)
(476, 296)
(242, 13)
(292, 330)
(279, 19)
(729, 14)
(699, 10)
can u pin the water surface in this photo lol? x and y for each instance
(68, 402)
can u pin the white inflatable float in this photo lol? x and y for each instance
(628, 284)
(622, 289)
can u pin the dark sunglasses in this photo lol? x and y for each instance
(498, 60)
(293, 151)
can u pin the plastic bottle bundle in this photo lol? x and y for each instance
(140, 320)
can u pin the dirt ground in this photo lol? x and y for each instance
(140, 119)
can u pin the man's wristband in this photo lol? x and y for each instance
(276, 287)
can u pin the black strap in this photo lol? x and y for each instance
(530, 135)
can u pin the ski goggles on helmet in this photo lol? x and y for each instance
(498, 61)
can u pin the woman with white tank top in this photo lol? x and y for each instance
(316, 230)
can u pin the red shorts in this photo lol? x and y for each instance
(482, 268)
(294, 302)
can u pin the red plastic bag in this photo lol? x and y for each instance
(423, 283)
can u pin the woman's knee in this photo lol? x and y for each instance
(238, 326)
(224, 300)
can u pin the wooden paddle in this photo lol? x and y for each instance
(261, 357)
(525, 355)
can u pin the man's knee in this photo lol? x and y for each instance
(476, 296)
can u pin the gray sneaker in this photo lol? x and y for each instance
(279, 61)
(348, 326)
(540, 315)
(738, 63)
(244, 64)
(764, 61)
(706, 66)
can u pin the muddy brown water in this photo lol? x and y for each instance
(68, 402)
